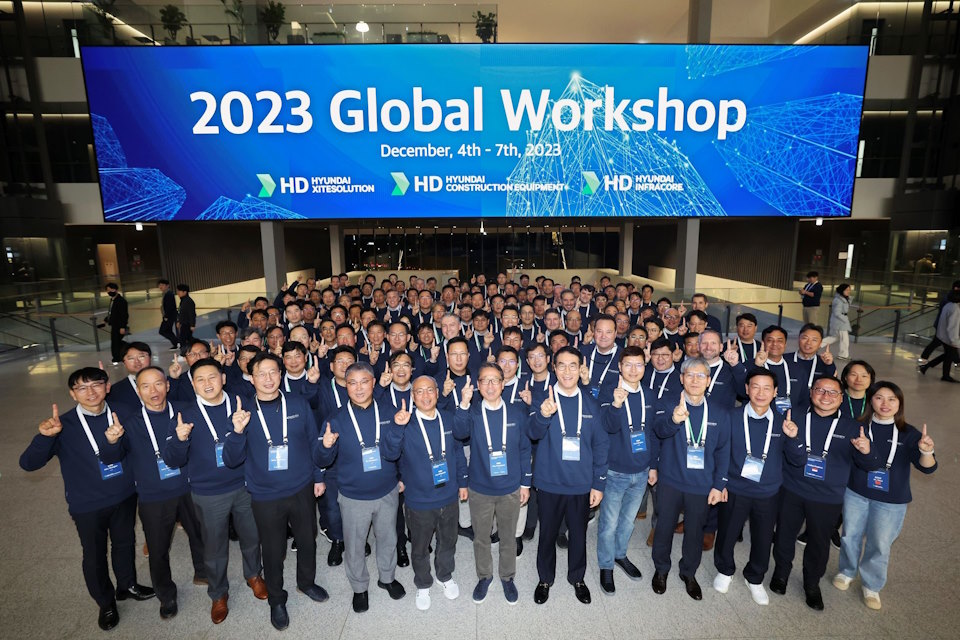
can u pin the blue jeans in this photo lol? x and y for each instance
(872, 526)
(618, 512)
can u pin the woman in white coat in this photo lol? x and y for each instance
(839, 321)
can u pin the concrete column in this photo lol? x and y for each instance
(698, 21)
(338, 263)
(274, 256)
(688, 246)
(626, 249)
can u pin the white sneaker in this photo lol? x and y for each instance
(842, 581)
(423, 599)
(871, 599)
(450, 589)
(759, 593)
(721, 583)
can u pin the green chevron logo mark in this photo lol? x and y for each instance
(268, 185)
(401, 182)
(592, 182)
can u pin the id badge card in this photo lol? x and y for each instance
(783, 404)
(816, 468)
(695, 458)
(752, 468)
(879, 480)
(571, 448)
(108, 471)
(441, 473)
(277, 458)
(218, 452)
(165, 471)
(498, 464)
(371, 459)
(638, 441)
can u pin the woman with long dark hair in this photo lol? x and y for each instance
(875, 502)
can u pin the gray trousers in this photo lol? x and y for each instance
(483, 510)
(214, 514)
(357, 516)
(810, 315)
(423, 524)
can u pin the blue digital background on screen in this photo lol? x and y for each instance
(287, 132)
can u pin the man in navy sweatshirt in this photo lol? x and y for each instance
(101, 497)
(758, 453)
(218, 491)
(135, 357)
(600, 356)
(662, 377)
(807, 365)
(282, 479)
(571, 472)
(368, 485)
(435, 476)
(694, 459)
(164, 492)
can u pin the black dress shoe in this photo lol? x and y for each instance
(606, 582)
(693, 588)
(293, 545)
(542, 593)
(315, 592)
(366, 550)
(168, 610)
(335, 557)
(403, 560)
(562, 541)
(628, 568)
(278, 617)
(495, 537)
(778, 585)
(109, 617)
(519, 546)
(949, 379)
(528, 533)
(814, 599)
(466, 532)
(582, 592)
(360, 602)
(136, 592)
(395, 589)
(659, 582)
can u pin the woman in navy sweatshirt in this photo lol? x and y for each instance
(875, 502)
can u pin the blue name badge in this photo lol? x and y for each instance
(879, 480)
(441, 474)
(277, 458)
(638, 441)
(571, 449)
(816, 468)
(498, 464)
(695, 458)
(218, 452)
(165, 471)
(108, 471)
(371, 459)
(783, 404)
(752, 469)
(595, 391)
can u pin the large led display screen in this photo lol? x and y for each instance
(407, 131)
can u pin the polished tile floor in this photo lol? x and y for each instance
(42, 593)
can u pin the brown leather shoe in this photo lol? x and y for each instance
(642, 515)
(679, 528)
(146, 550)
(650, 539)
(708, 541)
(219, 610)
(259, 587)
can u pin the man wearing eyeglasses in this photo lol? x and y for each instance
(136, 357)
(101, 497)
(662, 377)
(814, 491)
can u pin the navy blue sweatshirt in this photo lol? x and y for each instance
(450, 402)
(332, 397)
(406, 444)
(123, 394)
(726, 382)
(898, 476)
(181, 388)
(346, 457)
(468, 425)
(602, 366)
(197, 455)
(665, 385)
(251, 448)
(569, 477)
(136, 450)
(392, 396)
(853, 408)
(621, 458)
(800, 369)
(302, 387)
(781, 449)
(83, 485)
(839, 462)
(673, 450)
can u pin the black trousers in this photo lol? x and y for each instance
(159, 521)
(670, 502)
(930, 348)
(733, 514)
(821, 520)
(186, 335)
(401, 524)
(166, 330)
(948, 357)
(554, 508)
(116, 344)
(423, 525)
(272, 517)
(93, 528)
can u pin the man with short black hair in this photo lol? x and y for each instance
(186, 315)
(135, 357)
(118, 318)
(810, 294)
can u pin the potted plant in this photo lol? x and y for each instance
(486, 26)
(173, 20)
(234, 9)
(272, 17)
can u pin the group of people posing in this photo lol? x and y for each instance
(394, 413)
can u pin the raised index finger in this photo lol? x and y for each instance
(239, 404)
(56, 416)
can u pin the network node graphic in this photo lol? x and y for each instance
(224, 208)
(705, 61)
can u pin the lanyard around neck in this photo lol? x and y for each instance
(893, 440)
(356, 427)
(702, 439)
(486, 426)
(714, 376)
(813, 368)
(86, 427)
(563, 425)
(643, 405)
(206, 417)
(593, 357)
(149, 425)
(426, 440)
(746, 432)
(786, 371)
(263, 422)
(828, 441)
